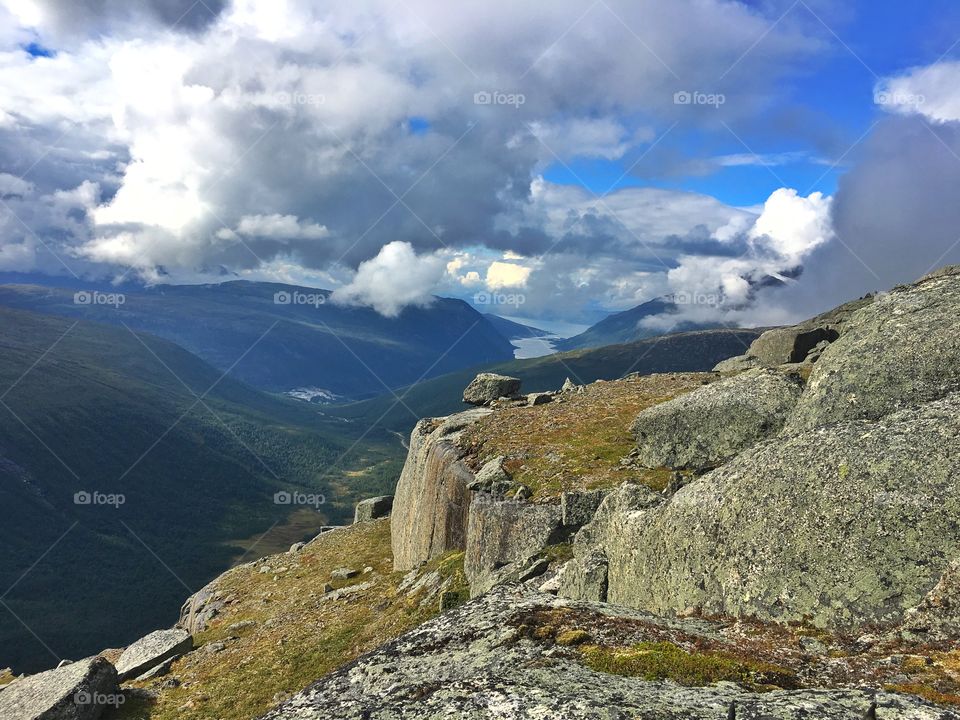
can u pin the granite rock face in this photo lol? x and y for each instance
(845, 526)
(502, 533)
(150, 651)
(708, 426)
(81, 690)
(431, 504)
(900, 350)
(471, 663)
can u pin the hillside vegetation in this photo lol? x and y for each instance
(176, 461)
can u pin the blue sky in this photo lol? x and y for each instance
(830, 100)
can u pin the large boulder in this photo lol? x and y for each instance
(709, 425)
(487, 387)
(502, 533)
(373, 509)
(900, 350)
(432, 499)
(78, 691)
(849, 525)
(780, 346)
(152, 650)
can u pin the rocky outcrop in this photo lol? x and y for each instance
(901, 350)
(577, 508)
(373, 509)
(847, 525)
(738, 363)
(502, 533)
(474, 662)
(153, 650)
(431, 504)
(782, 346)
(200, 608)
(81, 690)
(937, 617)
(487, 387)
(708, 426)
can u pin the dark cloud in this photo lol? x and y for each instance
(103, 16)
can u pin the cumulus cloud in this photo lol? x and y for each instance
(301, 109)
(506, 275)
(395, 278)
(930, 91)
(275, 140)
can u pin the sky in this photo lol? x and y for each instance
(755, 161)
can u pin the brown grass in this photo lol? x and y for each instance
(297, 635)
(577, 443)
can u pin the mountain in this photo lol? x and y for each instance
(774, 542)
(681, 352)
(623, 327)
(281, 337)
(513, 330)
(131, 470)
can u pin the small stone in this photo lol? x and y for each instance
(344, 573)
(541, 398)
(296, 547)
(812, 646)
(242, 625)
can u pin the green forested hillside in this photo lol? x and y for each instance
(195, 457)
(681, 352)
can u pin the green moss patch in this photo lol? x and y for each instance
(666, 661)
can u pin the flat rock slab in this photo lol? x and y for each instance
(152, 650)
(78, 691)
(470, 663)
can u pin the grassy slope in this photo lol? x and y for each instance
(577, 441)
(683, 352)
(292, 633)
(100, 412)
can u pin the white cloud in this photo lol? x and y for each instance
(276, 227)
(792, 225)
(506, 275)
(932, 91)
(395, 278)
(12, 185)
